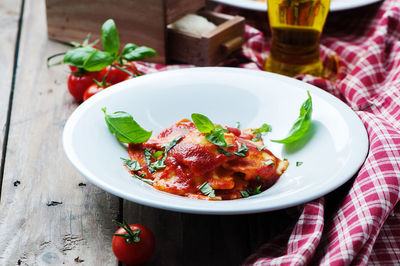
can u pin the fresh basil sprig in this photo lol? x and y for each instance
(214, 134)
(125, 128)
(302, 124)
(91, 59)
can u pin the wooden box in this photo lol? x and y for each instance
(210, 48)
(144, 22)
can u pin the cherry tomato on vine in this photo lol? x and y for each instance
(133, 244)
(115, 74)
(92, 90)
(78, 83)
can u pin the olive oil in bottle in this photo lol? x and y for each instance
(296, 27)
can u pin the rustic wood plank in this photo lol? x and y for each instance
(31, 232)
(140, 22)
(9, 20)
(190, 239)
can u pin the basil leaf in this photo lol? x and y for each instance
(269, 162)
(78, 56)
(157, 154)
(224, 152)
(217, 137)
(172, 144)
(262, 129)
(250, 192)
(299, 163)
(242, 150)
(125, 128)
(257, 137)
(302, 124)
(207, 190)
(203, 123)
(129, 47)
(138, 53)
(98, 60)
(147, 159)
(131, 164)
(148, 181)
(109, 37)
(244, 193)
(157, 165)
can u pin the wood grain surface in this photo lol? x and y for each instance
(49, 214)
(9, 22)
(47, 218)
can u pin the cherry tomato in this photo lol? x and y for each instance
(133, 244)
(78, 83)
(73, 68)
(92, 90)
(115, 75)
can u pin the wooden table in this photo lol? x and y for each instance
(49, 214)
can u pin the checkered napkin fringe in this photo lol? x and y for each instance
(365, 226)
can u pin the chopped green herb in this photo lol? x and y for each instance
(250, 192)
(264, 128)
(302, 124)
(207, 190)
(244, 193)
(148, 181)
(160, 164)
(242, 150)
(224, 152)
(258, 178)
(172, 144)
(261, 148)
(257, 137)
(147, 158)
(238, 124)
(299, 163)
(269, 162)
(131, 164)
(157, 154)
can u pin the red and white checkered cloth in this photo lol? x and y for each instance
(359, 223)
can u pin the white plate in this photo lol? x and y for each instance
(333, 154)
(336, 5)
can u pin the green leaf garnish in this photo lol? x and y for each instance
(203, 123)
(157, 165)
(250, 192)
(157, 154)
(207, 190)
(148, 181)
(269, 162)
(238, 125)
(299, 163)
(242, 150)
(110, 37)
(131, 164)
(261, 148)
(125, 128)
(264, 128)
(217, 136)
(224, 152)
(147, 159)
(302, 124)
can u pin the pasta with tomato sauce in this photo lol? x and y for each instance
(182, 161)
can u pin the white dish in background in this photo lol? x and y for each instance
(333, 154)
(336, 5)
